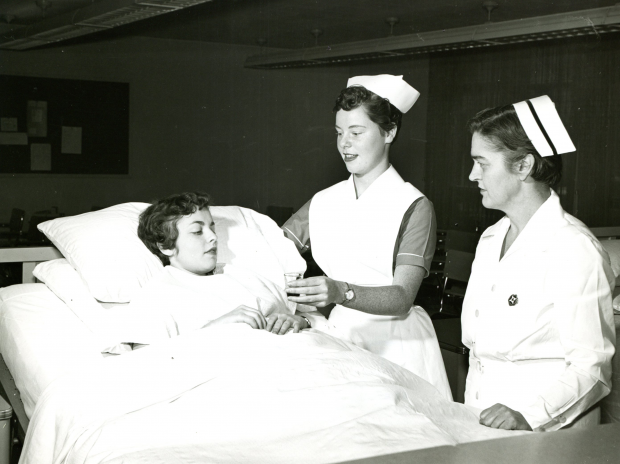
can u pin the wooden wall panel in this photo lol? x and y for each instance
(581, 75)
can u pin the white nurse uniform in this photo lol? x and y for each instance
(539, 321)
(353, 241)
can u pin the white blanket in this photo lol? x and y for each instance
(232, 394)
(177, 302)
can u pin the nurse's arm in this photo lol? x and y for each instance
(297, 228)
(500, 416)
(581, 282)
(389, 300)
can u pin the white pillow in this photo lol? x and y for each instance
(66, 283)
(103, 246)
(254, 241)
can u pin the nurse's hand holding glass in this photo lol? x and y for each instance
(537, 315)
(373, 235)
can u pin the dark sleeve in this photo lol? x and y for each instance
(297, 228)
(415, 244)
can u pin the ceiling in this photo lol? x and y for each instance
(289, 24)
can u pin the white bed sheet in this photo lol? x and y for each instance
(230, 394)
(224, 394)
(41, 340)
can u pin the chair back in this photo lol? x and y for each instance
(458, 265)
(459, 240)
(16, 223)
(34, 236)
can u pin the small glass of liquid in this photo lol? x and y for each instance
(290, 277)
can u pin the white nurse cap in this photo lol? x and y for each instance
(543, 126)
(394, 88)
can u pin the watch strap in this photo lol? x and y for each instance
(347, 290)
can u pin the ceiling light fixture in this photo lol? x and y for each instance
(43, 5)
(489, 5)
(392, 20)
(572, 24)
(316, 32)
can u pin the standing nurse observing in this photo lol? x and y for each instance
(373, 235)
(537, 315)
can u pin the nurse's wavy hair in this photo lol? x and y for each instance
(379, 109)
(158, 222)
(501, 128)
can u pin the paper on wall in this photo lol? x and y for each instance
(40, 157)
(13, 138)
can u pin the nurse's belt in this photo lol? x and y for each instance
(394, 88)
(543, 126)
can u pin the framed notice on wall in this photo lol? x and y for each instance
(63, 126)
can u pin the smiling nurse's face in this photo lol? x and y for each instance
(360, 142)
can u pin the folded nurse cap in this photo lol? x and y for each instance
(543, 126)
(394, 88)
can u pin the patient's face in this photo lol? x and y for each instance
(196, 247)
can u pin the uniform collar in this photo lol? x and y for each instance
(538, 232)
(387, 180)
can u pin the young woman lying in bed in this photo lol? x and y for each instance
(180, 231)
(194, 291)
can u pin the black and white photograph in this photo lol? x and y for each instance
(309, 231)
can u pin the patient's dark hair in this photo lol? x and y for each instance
(379, 109)
(158, 222)
(501, 128)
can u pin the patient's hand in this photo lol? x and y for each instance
(244, 314)
(282, 323)
(499, 416)
(317, 291)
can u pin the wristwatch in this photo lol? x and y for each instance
(349, 294)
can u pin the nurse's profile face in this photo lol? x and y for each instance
(498, 185)
(360, 142)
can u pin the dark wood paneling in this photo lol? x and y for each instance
(581, 75)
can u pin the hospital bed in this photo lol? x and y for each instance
(226, 395)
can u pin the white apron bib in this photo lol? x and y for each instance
(353, 241)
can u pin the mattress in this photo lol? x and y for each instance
(41, 340)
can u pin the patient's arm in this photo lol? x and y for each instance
(243, 314)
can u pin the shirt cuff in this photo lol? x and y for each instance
(410, 259)
(541, 420)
